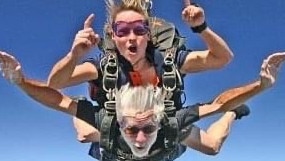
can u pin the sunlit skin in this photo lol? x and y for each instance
(123, 44)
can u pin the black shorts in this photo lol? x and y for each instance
(86, 111)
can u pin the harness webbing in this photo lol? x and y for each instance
(110, 76)
(171, 82)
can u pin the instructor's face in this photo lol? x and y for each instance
(140, 134)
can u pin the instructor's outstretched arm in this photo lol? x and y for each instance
(232, 98)
(39, 91)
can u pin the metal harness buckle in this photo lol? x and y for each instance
(110, 76)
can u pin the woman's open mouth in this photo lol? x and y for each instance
(132, 49)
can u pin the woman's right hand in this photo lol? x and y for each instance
(85, 39)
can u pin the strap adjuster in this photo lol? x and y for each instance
(110, 76)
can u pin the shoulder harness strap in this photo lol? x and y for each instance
(171, 80)
(110, 76)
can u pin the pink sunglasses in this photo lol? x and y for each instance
(122, 28)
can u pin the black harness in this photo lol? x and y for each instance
(166, 39)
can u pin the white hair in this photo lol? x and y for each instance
(133, 100)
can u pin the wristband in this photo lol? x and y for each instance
(200, 28)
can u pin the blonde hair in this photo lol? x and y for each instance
(139, 99)
(114, 7)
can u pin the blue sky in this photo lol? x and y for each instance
(39, 33)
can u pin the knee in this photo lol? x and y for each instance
(213, 152)
(87, 137)
(214, 149)
(82, 139)
(85, 132)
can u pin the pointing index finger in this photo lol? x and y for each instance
(88, 22)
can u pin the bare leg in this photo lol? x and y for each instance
(211, 141)
(220, 129)
(85, 132)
